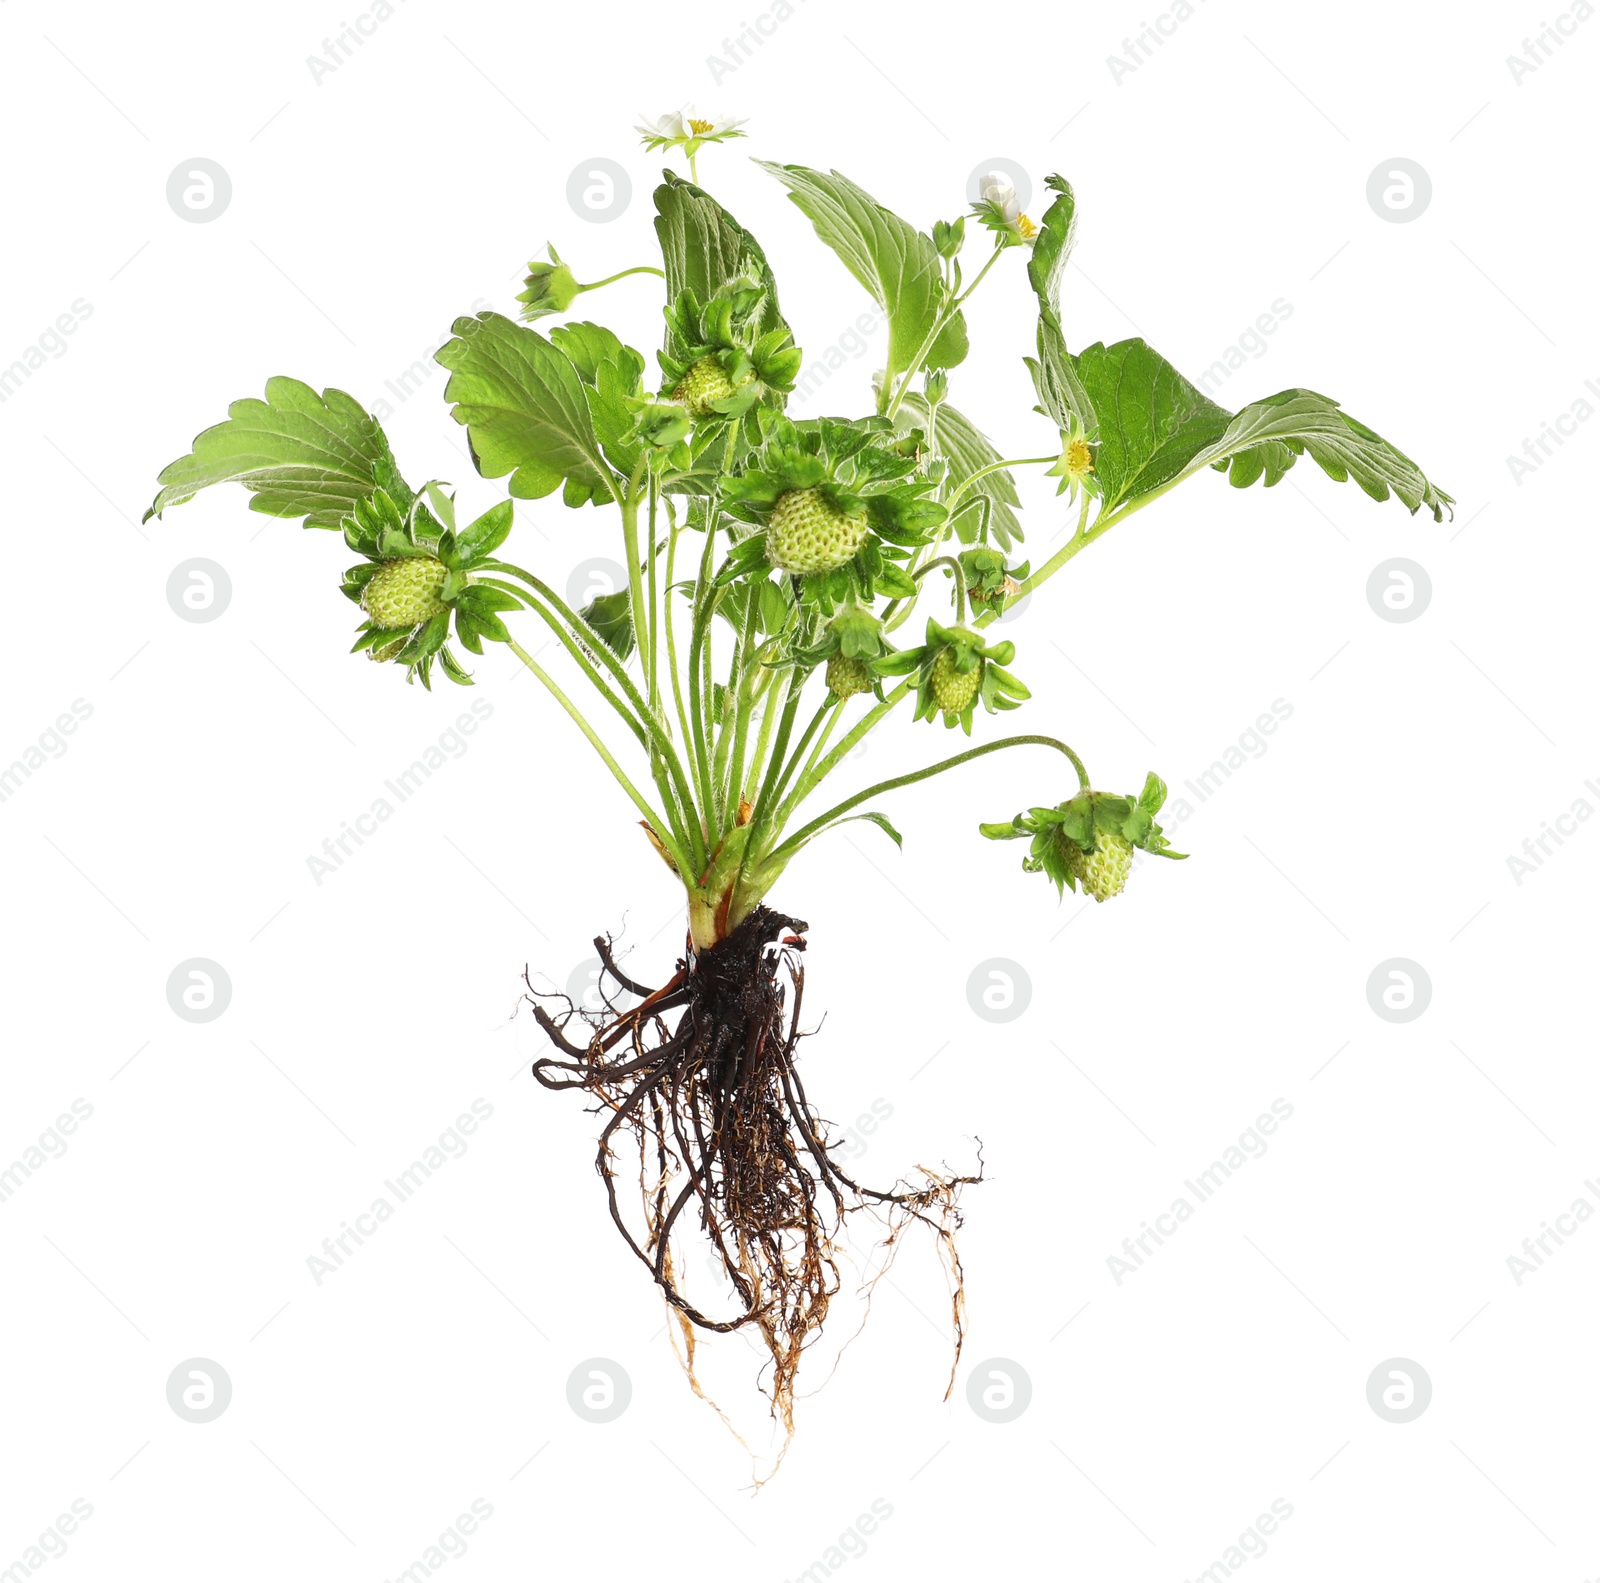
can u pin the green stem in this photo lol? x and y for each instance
(673, 530)
(937, 330)
(801, 836)
(960, 582)
(594, 644)
(658, 826)
(994, 467)
(630, 544)
(769, 718)
(638, 269)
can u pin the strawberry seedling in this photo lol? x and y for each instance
(771, 560)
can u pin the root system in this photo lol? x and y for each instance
(701, 1075)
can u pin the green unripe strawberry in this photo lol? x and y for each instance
(706, 381)
(847, 676)
(806, 533)
(405, 592)
(1103, 872)
(953, 690)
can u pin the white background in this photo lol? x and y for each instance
(1167, 1411)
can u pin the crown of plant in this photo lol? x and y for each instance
(955, 671)
(843, 506)
(719, 363)
(418, 575)
(1089, 840)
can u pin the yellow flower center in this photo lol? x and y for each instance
(700, 128)
(1080, 459)
(1026, 229)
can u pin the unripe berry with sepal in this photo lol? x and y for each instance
(808, 533)
(405, 592)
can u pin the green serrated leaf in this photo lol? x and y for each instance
(968, 451)
(703, 247)
(1265, 438)
(898, 264)
(298, 453)
(1152, 422)
(524, 409)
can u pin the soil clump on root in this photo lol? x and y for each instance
(701, 1077)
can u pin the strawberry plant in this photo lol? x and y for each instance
(773, 564)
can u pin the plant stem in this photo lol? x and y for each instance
(937, 330)
(994, 467)
(638, 269)
(658, 826)
(630, 545)
(801, 836)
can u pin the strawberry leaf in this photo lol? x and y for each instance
(897, 263)
(1267, 437)
(525, 410)
(968, 451)
(1152, 421)
(703, 247)
(298, 453)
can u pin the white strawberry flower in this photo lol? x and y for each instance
(1000, 209)
(689, 128)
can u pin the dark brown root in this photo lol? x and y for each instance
(729, 1144)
